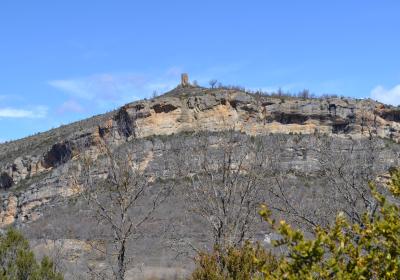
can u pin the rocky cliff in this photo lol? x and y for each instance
(37, 173)
(198, 109)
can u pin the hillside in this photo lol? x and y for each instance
(40, 176)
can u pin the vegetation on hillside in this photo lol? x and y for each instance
(344, 250)
(18, 262)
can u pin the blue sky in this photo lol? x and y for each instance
(62, 61)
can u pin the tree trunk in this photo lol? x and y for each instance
(121, 262)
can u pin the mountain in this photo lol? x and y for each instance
(39, 175)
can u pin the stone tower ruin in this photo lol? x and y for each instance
(184, 80)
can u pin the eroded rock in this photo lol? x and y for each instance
(164, 108)
(125, 123)
(9, 209)
(58, 154)
(6, 181)
(191, 110)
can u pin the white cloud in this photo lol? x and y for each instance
(35, 113)
(103, 89)
(387, 96)
(99, 87)
(77, 88)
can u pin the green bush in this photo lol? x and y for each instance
(242, 263)
(17, 261)
(370, 250)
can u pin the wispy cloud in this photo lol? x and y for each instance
(102, 86)
(111, 88)
(103, 90)
(387, 96)
(35, 113)
(70, 106)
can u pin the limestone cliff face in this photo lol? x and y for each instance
(35, 170)
(218, 110)
(39, 174)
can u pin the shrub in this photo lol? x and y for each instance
(245, 263)
(17, 261)
(345, 250)
(367, 250)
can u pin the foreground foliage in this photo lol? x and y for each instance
(345, 250)
(18, 262)
(234, 263)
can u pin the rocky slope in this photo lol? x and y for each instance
(198, 109)
(37, 173)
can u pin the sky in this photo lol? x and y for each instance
(62, 61)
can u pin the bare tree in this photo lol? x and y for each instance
(122, 202)
(348, 167)
(226, 191)
(212, 83)
(345, 169)
(368, 121)
(282, 196)
(236, 172)
(304, 94)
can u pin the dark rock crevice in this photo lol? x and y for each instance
(267, 103)
(59, 153)
(341, 127)
(164, 108)
(233, 104)
(287, 118)
(102, 131)
(391, 115)
(332, 109)
(249, 109)
(125, 123)
(6, 181)
(139, 107)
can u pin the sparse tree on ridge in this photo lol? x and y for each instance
(227, 189)
(212, 83)
(116, 203)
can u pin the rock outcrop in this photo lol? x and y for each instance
(37, 174)
(218, 110)
(191, 109)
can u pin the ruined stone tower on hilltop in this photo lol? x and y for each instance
(184, 80)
